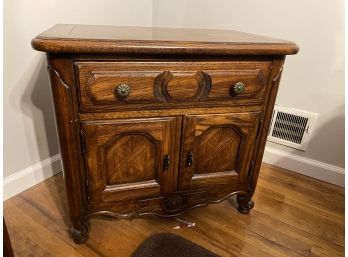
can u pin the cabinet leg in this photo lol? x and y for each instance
(245, 203)
(80, 232)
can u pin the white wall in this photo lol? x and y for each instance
(312, 80)
(29, 126)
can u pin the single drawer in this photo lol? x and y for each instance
(147, 85)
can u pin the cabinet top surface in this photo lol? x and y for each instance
(70, 38)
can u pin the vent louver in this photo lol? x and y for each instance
(291, 127)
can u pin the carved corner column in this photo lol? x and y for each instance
(245, 203)
(63, 92)
(277, 68)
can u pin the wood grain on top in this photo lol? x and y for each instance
(65, 38)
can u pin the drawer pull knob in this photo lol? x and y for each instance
(123, 90)
(166, 162)
(238, 88)
(189, 159)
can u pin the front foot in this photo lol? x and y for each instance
(80, 233)
(245, 204)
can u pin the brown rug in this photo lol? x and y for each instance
(170, 245)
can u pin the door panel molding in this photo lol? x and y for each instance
(124, 158)
(220, 144)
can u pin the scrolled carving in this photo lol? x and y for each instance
(162, 81)
(56, 79)
(160, 86)
(139, 214)
(62, 82)
(204, 82)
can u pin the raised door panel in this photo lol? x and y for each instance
(216, 151)
(129, 159)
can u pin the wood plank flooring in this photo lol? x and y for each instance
(293, 216)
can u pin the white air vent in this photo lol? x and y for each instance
(291, 127)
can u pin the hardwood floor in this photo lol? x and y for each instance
(293, 216)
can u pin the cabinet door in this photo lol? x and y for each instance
(216, 151)
(128, 159)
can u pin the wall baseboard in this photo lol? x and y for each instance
(28, 177)
(312, 168)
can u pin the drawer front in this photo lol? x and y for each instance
(138, 85)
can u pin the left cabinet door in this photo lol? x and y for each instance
(129, 159)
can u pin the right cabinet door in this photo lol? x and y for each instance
(216, 152)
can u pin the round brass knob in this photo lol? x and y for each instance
(238, 88)
(123, 90)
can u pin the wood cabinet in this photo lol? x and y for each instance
(155, 121)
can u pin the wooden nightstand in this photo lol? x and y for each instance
(157, 121)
